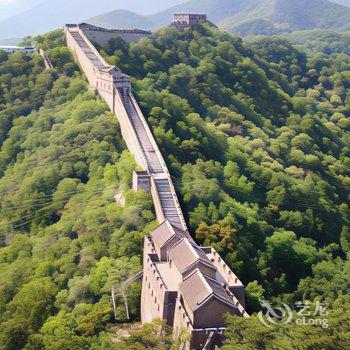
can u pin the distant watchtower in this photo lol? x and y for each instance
(187, 20)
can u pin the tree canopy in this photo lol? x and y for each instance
(256, 136)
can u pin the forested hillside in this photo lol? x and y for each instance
(256, 137)
(280, 16)
(64, 241)
(325, 41)
(242, 17)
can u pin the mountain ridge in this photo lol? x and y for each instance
(342, 2)
(53, 14)
(267, 17)
(285, 16)
(248, 17)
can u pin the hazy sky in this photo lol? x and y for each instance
(10, 8)
(19, 18)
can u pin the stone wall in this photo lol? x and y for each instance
(102, 37)
(109, 81)
(160, 293)
(103, 82)
(154, 291)
(232, 281)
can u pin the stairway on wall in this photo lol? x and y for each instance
(167, 201)
(163, 187)
(142, 144)
(87, 50)
(153, 162)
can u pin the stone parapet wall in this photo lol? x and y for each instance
(164, 292)
(154, 288)
(232, 281)
(101, 36)
(106, 80)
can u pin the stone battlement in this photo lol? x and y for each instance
(187, 20)
(86, 26)
(197, 287)
(101, 35)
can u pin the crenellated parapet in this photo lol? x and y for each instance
(232, 282)
(101, 36)
(197, 289)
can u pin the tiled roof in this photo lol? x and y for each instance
(197, 289)
(163, 233)
(185, 254)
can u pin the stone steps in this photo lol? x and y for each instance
(153, 162)
(87, 50)
(167, 201)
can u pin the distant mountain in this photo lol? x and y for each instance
(10, 41)
(216, 9)
(342, 2)
(320, 40)
(244, 17)
(124, 18)
(277, 16)
(10, 8)
(51, 14)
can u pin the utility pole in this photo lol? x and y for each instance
(113, 301)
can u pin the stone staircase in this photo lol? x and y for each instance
(168, 202)
(153, 162)
(163, 187)
(156, 167)
(87, 50)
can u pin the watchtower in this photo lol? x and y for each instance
(141, 181)
(187, 20)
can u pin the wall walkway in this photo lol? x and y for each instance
(115, 88)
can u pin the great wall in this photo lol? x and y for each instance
(189, 286)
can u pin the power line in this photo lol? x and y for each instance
(37, 201)
(56, 207)
(51, 210)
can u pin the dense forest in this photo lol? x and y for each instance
(64, 241)
(325, 41)
(256, 136)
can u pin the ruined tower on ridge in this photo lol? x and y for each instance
(187, 20)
